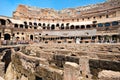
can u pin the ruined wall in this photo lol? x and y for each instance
(30, 68)
(63, 62)
(68, 13)
(98, 65)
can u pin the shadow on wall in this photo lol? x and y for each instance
(38, 78)
(7, 57)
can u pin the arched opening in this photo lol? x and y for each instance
(107, 24)
(2, 22)
(88, 26)
(67, 26)
(82, 27)
(57, 25)
(35, 24)
(43, 24)
(44, 27)
(48, 26)
(25, 23)
(15, 25)
(114, 23)
(35, 27)
(30, 23)
(77, 26)
(31, 37)
(6, 36)
(100, 25)
(21, 26)
(62, 26)
(72, 27)
(39, 24)
(52, 27)
(26, 26)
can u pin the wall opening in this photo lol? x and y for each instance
(2, 22)
(52, 27)
(6, 58)
(72, 27)
(38, 78)
(6, 36)
(31, 37)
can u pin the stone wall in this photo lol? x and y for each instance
(31, 68)
(71, 71)
(1, 69)
(60, 60)
(63, 62)
(98, 65)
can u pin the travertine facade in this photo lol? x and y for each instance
(48, 60)
(99, 23)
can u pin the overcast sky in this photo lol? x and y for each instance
(8, 6)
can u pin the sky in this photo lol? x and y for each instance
(8, 6)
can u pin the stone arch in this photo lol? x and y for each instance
(57, 25)
(72, 27)
(21, 25)
(107, 24)
(35, 24)
(77, 27)
(2, 22)
(62, 26)
(30, 23)
(31, 37)
(16, 25)
(26, 26)
(67, 25)
(52, 27)
(48, 26)
(44, 24)
(25, 22)
(114, 23)
(39, 24)
(82, 26)
(6, 36)
(88, 26)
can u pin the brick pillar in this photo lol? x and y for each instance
(71, 71)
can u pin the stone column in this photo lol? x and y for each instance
(118, 38)
(103, 39)
(71, 71)
(96, 40)
(84, 68)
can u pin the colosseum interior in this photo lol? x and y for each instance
(81, 43)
